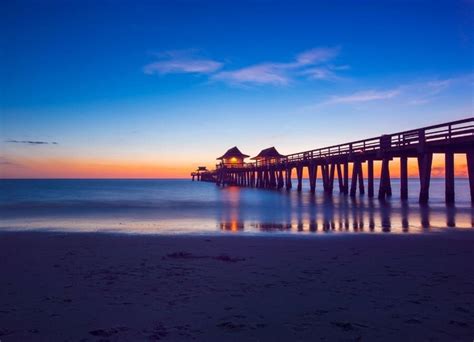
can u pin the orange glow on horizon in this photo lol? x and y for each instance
(112, 168)
(80, 168)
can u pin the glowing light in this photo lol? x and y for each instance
(233, 160)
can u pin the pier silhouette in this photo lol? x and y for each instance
(272, 170)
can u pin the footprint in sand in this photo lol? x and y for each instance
(459, 323)
(107, 332)
(230, 326)
(413, 321)
(5, 332)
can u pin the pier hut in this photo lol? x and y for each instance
(233, 158)
(199, 173)
(269, 175)
(268, 156)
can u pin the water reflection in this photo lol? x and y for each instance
(313, 213)
(451, 216)
(404, 215)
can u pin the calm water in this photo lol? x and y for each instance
(182, 206)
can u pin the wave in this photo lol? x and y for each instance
(115, 204)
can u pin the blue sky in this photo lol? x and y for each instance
(171, 84)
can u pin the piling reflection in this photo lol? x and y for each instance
(404, 216)
(451, 216)
(312, 213)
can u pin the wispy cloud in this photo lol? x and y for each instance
(317, 55)
(31, 142)
(425, 92)
(414, 93)
(422, 92)
(321, 73)
(311, 64)
(197, 66)
(365, 96)
(6, 162)
(280, 74)
(181, 62)
(256, 74)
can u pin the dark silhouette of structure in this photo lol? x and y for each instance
(201, 173)
(271, 170)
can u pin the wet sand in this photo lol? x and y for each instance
(91, 287)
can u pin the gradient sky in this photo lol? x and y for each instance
(156, 88)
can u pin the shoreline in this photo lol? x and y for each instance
(431, 231)
(466, 234)
(112, 286)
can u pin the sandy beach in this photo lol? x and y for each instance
(91, 287)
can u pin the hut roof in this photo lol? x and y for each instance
(233, 152)
(270, 152)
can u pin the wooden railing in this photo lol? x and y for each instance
(447, 131)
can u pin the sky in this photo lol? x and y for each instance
(152, 89)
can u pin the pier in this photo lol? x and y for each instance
(271, 170)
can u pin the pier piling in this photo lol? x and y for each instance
(403, 177)
(470, 170)
(370, 179)
(449, 176)
(424, 166)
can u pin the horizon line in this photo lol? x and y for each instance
(174, 178)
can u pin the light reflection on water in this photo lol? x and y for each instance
(337, 213)
(181, 206)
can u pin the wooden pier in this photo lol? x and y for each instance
(274, 171)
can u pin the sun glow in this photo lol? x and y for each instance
(70, 167)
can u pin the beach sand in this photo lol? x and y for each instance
(91, 287)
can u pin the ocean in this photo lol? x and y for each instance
(181, 206)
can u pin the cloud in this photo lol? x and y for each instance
(317, 55)
(197, 66)
(365, 96)
(181, 62)
(7, 162)
(425, 92)
(31, 142)
(413, 93)
(280, 74)
(258, 74)
(435, 87)
(321, 73)
(419, 93)
(264, 73)
(4, 161)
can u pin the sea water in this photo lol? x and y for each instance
(162, 206)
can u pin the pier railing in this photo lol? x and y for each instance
(442, 132)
